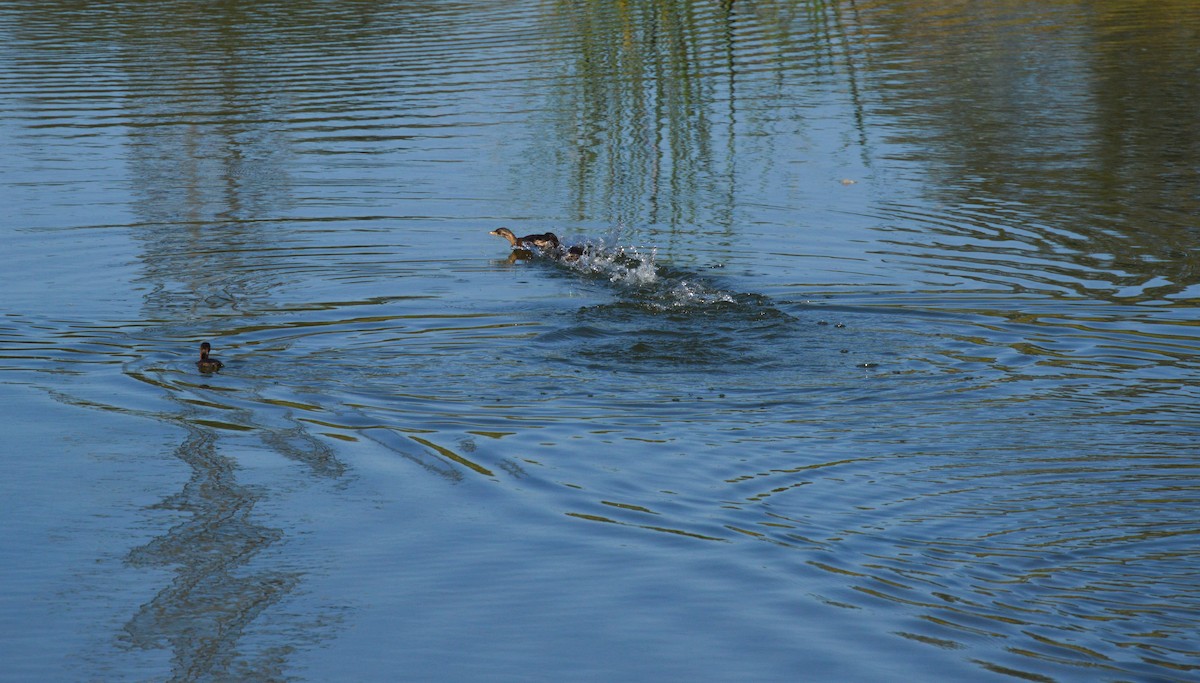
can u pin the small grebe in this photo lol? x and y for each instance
(205, 364)
(546, 241)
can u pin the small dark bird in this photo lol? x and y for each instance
(546, 241)
(205, 364)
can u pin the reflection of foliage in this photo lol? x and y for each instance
(639, 102)
(1051, 114)
(668, 110)
(657, 104)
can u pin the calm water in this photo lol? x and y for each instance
(883, 362)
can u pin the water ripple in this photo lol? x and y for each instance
(883, 347)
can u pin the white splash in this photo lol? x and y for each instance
(638, 270)
(688, 293)
(620, 265)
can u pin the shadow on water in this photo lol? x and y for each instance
(228, 569)
(204, 190)
(212, 600)
(210, 175)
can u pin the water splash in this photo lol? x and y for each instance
(622, 265)
(636, 273)
(668, 319)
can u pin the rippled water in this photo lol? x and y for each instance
(882, 361)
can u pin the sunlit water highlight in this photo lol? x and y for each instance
(881, 362)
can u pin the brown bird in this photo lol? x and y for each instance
(546, 241)
(205, 364)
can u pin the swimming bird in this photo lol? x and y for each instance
(546, 241)
(205, 364)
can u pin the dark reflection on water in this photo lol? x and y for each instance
(1109, 208)
(206, 609)
(884, 351)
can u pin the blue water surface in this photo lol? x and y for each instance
(880, 363)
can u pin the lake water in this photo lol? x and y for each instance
(882, 362)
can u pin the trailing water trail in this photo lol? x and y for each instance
(636, 276)
(668, 319)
